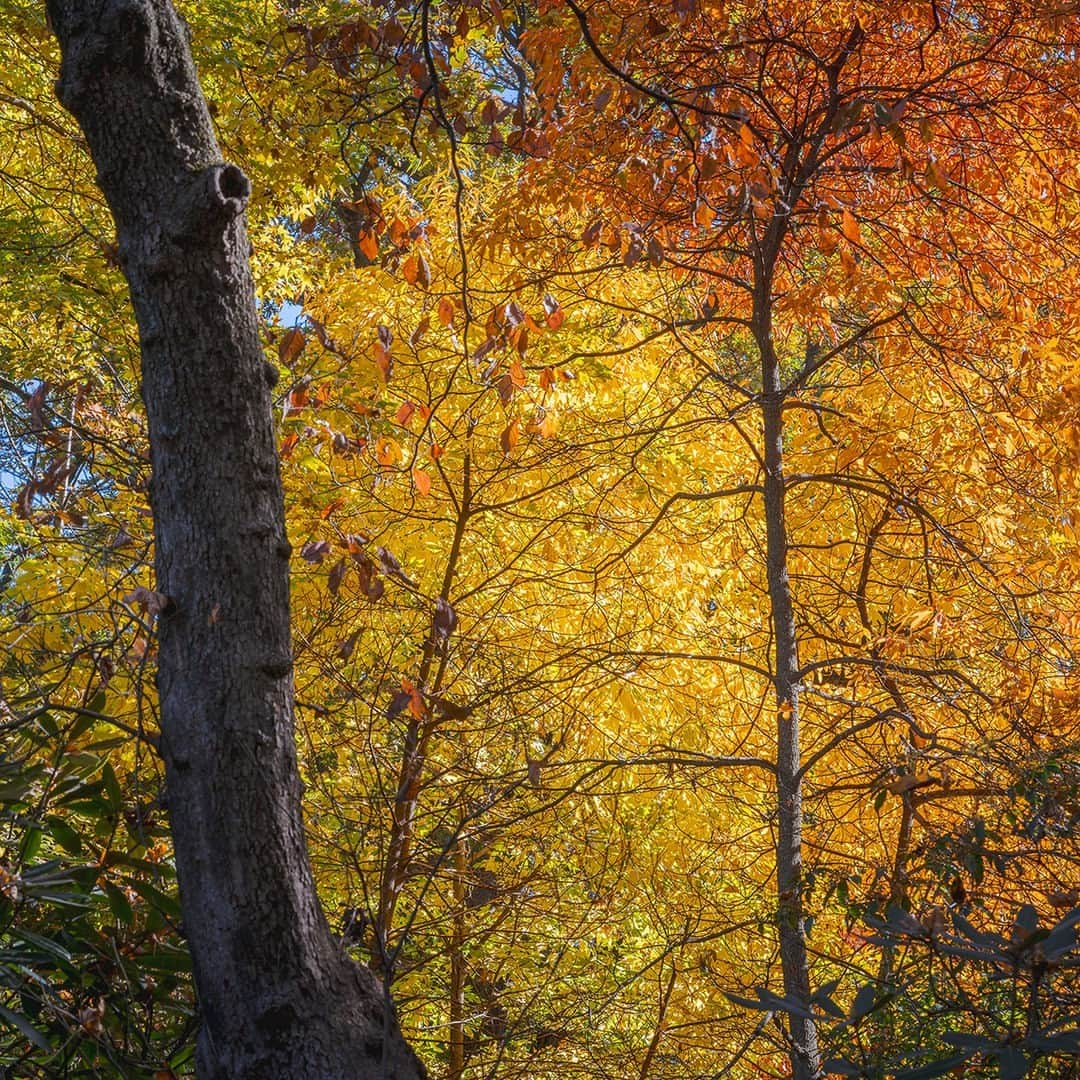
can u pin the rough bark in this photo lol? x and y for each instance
(278, 997)
(804, 1052)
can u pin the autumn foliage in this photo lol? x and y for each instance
(678, 411)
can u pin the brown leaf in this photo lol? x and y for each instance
(314, 551)
(445, 621)
(152, 603)
(533, 767)
(392, 568)
(291, 346)
(345, 649)
(371, 585)
(336, 576)
(505, 387)
(35, 406)
(421, 329)
(423, 272)
(397, 704)
(591, 236)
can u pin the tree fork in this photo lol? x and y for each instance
(279, 998)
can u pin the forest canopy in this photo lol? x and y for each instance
(676, 406)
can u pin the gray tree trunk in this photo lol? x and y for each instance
(279, 999)
(804, 1052)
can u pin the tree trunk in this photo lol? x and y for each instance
(278, 997)
(804, 1053)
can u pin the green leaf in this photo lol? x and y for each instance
(31, 843)
(31, 1033)
(112, 787)
(155, 897)
(65, 835)
(43, 945)
(119, 904)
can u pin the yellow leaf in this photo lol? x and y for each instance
(920, 620)
(847, 456)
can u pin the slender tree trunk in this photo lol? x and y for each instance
(279, 999)
(457, 968)
(804, 1053)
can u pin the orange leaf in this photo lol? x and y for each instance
(517, 374)
(509, 437)
(547, 378)
(422, 481)
(383, 362)
(410, 269)
(935, 176)
(446, 311)
(298, 397)
(404, 413)
(387, 451)
(436, 451)
(368, 245)
(850, 227)
(416, 702)
(555, 316)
